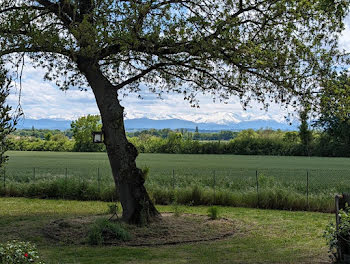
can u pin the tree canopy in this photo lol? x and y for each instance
(334, 114)
(334, 100)
(252, 49)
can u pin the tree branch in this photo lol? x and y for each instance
(140, 75)
(33, 50)
(66, 15)
(163, 48)
(13, 32)
(14, 8)
(85, 6)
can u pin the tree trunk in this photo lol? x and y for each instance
(137, 206)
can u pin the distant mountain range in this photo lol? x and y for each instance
(146, 123)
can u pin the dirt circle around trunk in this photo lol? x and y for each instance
(170, 229)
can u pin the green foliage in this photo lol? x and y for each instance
(113, 209)
(196, 196)
(17, 252)
(178, 211)
(145, 172)
(95, 236)
(246, 142)
(103, 229)
(48, 136)
(304, 133)
(213, 212)
(249, 142)
(266, 181)
(334, 116)
(7, 122)
(82, 130)
(56, 143)
(339, 239)
(272, 196)
(41, 133)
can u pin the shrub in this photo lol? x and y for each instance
(145, 172)
(213, 212)
(113, 209)
(104, 229)
(19, 252)
(196, 195)
(339, 239)
(162, 195)
(178, 211)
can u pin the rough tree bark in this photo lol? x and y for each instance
(129, 180)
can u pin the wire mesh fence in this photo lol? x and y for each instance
(262, 183)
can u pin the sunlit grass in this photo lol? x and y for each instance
(263, 236)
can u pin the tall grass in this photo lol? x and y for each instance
(281, 182)
(271, 196)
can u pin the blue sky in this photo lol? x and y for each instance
(42, 99)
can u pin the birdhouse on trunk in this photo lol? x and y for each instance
(97, 137)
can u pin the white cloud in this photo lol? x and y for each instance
(41, 99)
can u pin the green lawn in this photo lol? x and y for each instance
(264, 236)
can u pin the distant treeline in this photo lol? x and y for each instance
(58, 142)
(42, 133)
(162, 133)
(185, 134)
(246, 142)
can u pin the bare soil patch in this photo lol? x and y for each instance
(170, 229)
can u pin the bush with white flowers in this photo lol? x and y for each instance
(17, 252)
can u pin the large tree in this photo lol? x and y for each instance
(333, 115)
(305, 133)
(253, 49)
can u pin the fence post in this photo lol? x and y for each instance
(307, 189)
(257, 187)
(99, 180)
(214, 183)
(4, 178)
(65, 182)
(173, 179)
(337, 220)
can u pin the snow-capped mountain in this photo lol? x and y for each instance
(217, 118)
(220, 118)
(214, 122)
(146, 123)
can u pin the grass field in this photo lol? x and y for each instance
(230, 171)
(264, 236)
(286, 182)
(73, 160)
